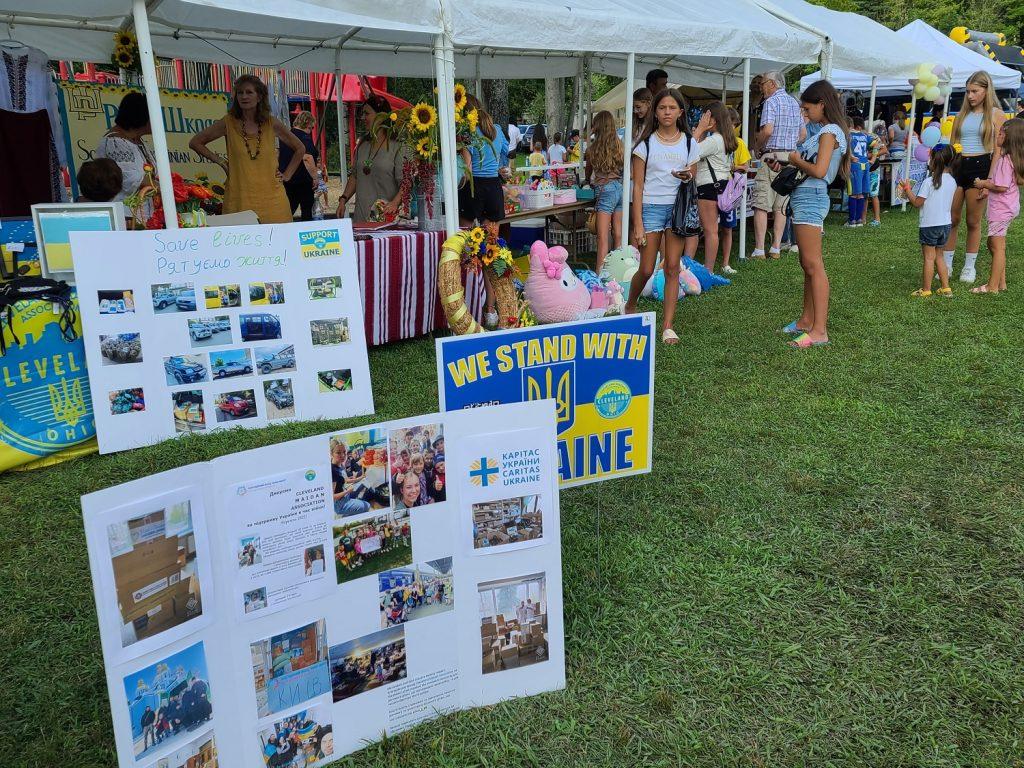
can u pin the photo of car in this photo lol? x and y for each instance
(280, 398)
(163, 299)
(232, 406)
(184, 369)
(276, 358)
(187, 407)
(209, 331)
(231, 362)
(186, 303)
(259, 326)
(335, 381)
(218, 296)
(173, 297)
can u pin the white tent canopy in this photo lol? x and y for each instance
(939, 49)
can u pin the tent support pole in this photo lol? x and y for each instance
(725, 87)
(478, 85)
(342, 123)
(745, 134)
(910, 141)
(156, 118)
(445, 77)
(627, 155)
(584, 113)
(871, 104)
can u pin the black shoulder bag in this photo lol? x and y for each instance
(685, 220)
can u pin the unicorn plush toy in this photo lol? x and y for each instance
(555, 293)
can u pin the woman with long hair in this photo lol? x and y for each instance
(604, 170)
(716, 140)
(254, 182)
(974, 129)
(641, 107)
(665, 157)
(821, 156)
(376, 166)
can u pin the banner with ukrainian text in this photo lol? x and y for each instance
(89, 109)
(599, 372)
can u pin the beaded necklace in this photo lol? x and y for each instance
(245, 139)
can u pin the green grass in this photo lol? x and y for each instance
(826, 567)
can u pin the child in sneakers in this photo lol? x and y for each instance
(935, 199)
(878, 150)
(1003, 199)
(860, 172)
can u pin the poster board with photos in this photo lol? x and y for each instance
(310, 596)
(201, 329)
(600, 372)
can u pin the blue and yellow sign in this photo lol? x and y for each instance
(600, 374)
(321, 244)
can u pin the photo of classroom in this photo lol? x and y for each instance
(416, 591)
(290, 668)
(368, 662)
(299, 740)
(507, 521)
(372, 545)
(156, 577)
(513, 622)
(200, 753)
(168, 700)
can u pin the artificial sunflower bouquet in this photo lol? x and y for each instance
(126, 52)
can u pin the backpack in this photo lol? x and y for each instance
(733, 192)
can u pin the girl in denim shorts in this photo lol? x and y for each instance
(604, 169)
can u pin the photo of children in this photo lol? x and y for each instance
(218, 296)
(507, 521)
(290, 668)
(266, 293)
(513, 622)
(200, 753)
(255, 599)
(168, 700)
(367, 663)
(324, 287)
(372, 545)
(359, 471)
(328, 332)
(127, 401)
(233, 406)
(116, 302)
(187, 407)
(313, 560)
(417, 466)
(335, 381)
(416, 591)
(156, 573)
(299, 740)
(209, 331)
(280, 398)
(249, 552)
(173, 297)
(121, 348)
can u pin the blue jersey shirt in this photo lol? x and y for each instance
(860, 146)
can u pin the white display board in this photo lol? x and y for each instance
(289, 604)
(201, 329)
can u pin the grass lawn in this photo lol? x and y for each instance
(826, 567)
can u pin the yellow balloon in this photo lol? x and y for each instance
(919, 90)
(932, 93)
(923, 70)
(930, 79)
(947, 127)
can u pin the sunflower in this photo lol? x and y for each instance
(477, 235)
(423, 117)
(489, 257)
(460, 96)
(124, 58)
(472, 119)
(459, 118)
(425, 148)
(394, 116)
(124, 40)
(958, 148)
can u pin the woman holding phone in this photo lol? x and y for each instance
(821, 156)
(664, 157)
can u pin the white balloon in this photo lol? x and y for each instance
(932, 94)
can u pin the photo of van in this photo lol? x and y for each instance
(259, 326)
(218, 296)
(266, 293)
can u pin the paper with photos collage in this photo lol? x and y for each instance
(289, 604)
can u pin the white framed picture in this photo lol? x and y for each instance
(54, 223)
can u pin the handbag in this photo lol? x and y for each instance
(787, 180)
(685, 220)
(592, 222)
(733, 190)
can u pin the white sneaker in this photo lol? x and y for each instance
(727, 270)
(794, 248)
(968, 275)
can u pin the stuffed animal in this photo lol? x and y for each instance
(621, 264)
(553, 290)
(708, 280)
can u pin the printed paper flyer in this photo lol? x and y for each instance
(367, 580)
(201, 329)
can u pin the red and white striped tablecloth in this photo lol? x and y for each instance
(398, 275)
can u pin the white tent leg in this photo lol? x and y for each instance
(342, 123)
(745, 134)
(582, 110)
(478, 84)
(156, 118)
(725, 88)
(910, 142)
(445, 77)
(871, 104)
(627, 155)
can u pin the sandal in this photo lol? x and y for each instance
(668, 336)
(804, 341)
(983, 289)
(921, 293)
(944, 292)
(793, 329)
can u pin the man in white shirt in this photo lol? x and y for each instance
(514, 137)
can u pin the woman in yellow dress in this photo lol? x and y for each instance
(253, 180)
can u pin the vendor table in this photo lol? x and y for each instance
(553, 210)
(398, 275)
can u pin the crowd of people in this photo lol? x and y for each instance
(369, 669)
(297, 742)
(373, 538)
(185, 710)
(400, 602)
(418, 470)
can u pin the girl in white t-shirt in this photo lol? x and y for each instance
(935, 199)
(664, 157)
(717, 142)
